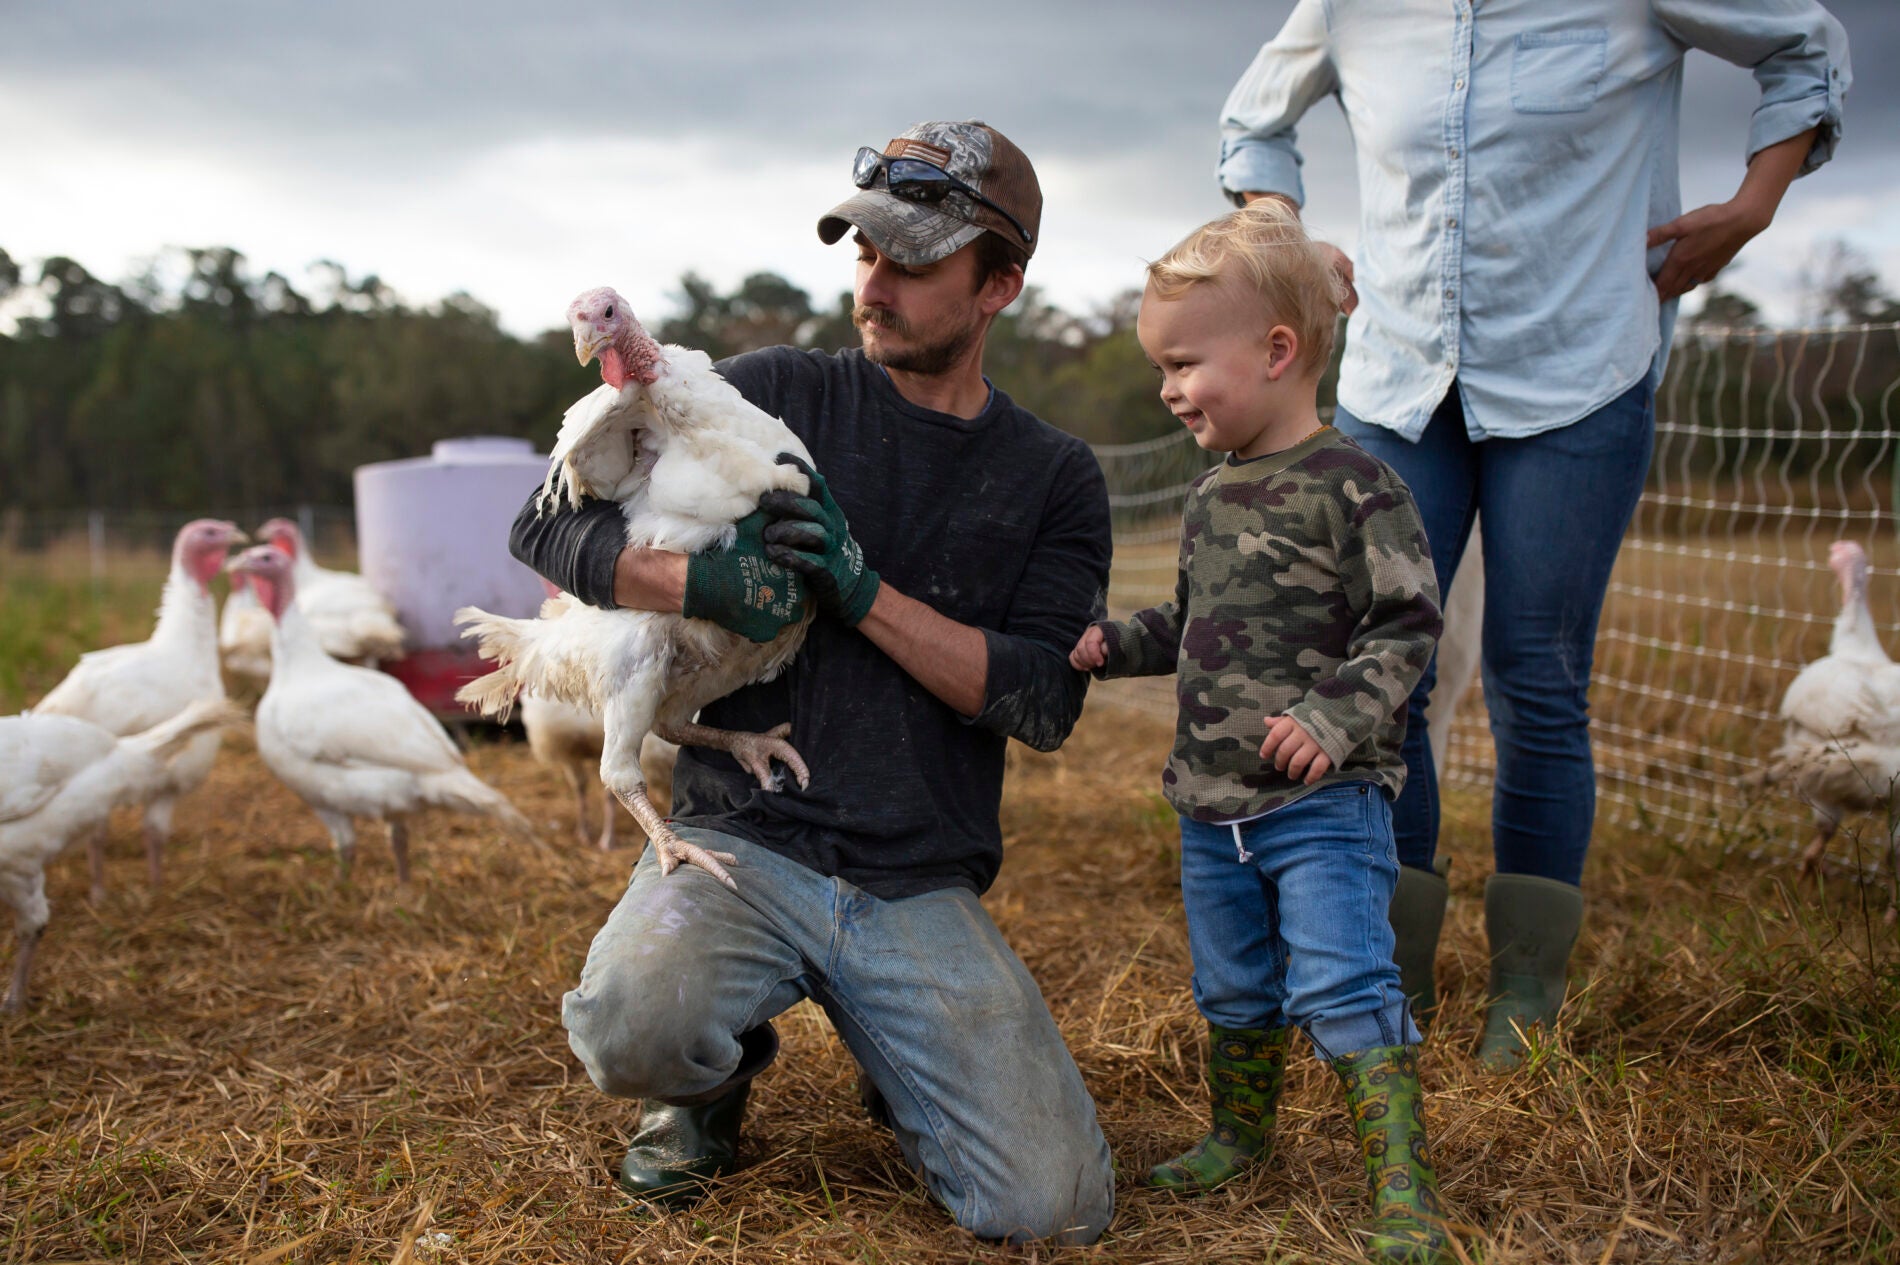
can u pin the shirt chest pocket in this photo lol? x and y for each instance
(1557, 72)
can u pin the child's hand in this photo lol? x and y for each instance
(1091, 650)
(1293, 751)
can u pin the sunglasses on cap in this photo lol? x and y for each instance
(915, 180)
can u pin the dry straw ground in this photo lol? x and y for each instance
(255, 1065)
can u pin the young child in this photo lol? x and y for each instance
(1304, 612)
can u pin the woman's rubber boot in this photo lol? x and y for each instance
(1532, 923)
(683, 1145)
(1388, 1113)
(1418, 916)
(1245, 1070)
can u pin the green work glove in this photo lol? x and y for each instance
(809, 535)
(741, 589)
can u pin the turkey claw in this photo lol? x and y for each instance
(673, 850)
(669, 847)
(755, 753)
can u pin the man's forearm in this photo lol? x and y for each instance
(949, 659)
(650, 580)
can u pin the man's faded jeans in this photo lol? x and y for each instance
(944, 1019)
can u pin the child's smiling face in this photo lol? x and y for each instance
(1224, 372)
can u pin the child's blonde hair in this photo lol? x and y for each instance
(1263, 251)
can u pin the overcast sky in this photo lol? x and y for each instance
(523, 158)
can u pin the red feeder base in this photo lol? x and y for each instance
(433, 676)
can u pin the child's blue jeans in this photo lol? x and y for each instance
(1287, 920)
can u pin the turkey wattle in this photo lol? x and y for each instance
(350, 619)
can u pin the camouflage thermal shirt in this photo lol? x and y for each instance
(1306, 590)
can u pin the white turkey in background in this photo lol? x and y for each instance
(1840, 745)
(128, 689)
(686, 456)
(60, 778)
(569, 738)
(350, 619)
(244, 632)
(350, 741)
(566, 738)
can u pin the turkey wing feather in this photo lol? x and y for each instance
(357, 718)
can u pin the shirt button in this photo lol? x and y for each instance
(1453, 151)
(1452, 221)
(1460, 85)
(1450, 293)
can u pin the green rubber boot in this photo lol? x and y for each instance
(1532, 923)
(1418, 916)
(1245, 1069)
(1387, 1108)
(681, 1147)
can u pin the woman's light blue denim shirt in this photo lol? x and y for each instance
(1511, 162)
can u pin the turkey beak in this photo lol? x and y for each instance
(587, 341)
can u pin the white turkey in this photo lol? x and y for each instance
(60, 777)
(244, 632)
(686, 456)
(128, 689)
(351, 741)
(1840, 746)
(569, 739)
(351, 619)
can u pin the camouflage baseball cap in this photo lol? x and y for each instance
(917, 233)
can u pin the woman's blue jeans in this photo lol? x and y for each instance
(1555, 507)
(1287, 920)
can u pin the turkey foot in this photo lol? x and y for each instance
(671, 847)
(15, 1000)
(608, 811)
(754, 752)
(1810, 864)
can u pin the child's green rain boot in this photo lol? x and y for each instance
(1245, 1069)
(1387, 1108)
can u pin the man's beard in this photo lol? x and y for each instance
(929, 359)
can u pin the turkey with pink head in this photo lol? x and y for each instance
(351, 620)
(351, 741)
(1840, 746)
(128, 689)
(686, 456)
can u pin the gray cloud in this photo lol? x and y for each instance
(377, 92)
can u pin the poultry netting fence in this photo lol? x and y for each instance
(1770, 444)
(98, 542)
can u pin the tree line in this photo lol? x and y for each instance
(201, 383)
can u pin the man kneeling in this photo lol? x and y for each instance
(956, 547)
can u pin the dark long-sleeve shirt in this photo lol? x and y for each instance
(998, 521)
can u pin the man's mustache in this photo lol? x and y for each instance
(883, 318)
